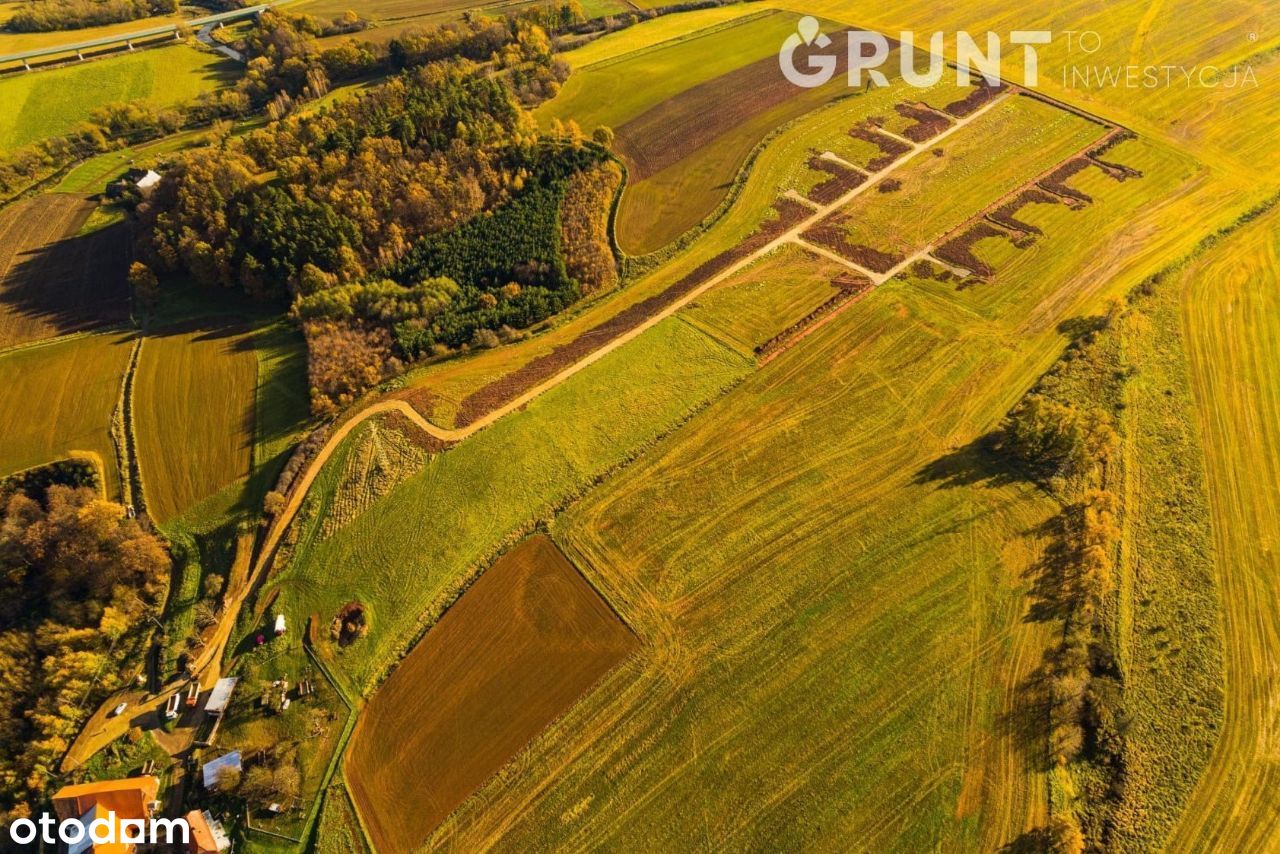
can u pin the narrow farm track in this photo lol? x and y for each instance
(455, 435)
(1231, 321)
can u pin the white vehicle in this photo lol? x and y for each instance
(119, 710)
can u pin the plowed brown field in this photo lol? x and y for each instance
(510, 657)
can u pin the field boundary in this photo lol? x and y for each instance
(122, 436)
(683, 38)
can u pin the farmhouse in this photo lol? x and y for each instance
(130, 799)
(141, 180)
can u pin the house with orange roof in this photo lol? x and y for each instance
(133, 798)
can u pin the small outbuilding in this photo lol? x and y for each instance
(212, 770)
(279, 624)
(220, 696)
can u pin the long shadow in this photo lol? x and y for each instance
(1038, 840)
(975, 464)
(71, 284)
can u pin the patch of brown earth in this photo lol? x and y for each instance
(928, 123)
(890, 149)
(982, 93)
(679, 126)
(841, 179)
(831, 234)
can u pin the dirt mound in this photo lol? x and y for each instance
(850, 287)
(1006, 214)
(349, 624)
(958, 251)
(830, 234)
(1056, 181)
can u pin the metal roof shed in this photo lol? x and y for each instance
(220, 696)
(209, 773)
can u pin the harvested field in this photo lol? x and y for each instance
(456, 514)
(53, 282)
(512, 385)
(767, 298)
(58, 398)
(195, 390)
(840, 180)
(520, 646)
(1229, 310)
(710, 96)
(849, 287)
(681, 125)
(381, 457)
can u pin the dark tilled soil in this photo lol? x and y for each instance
(959, 250)
(830, 234)
(890, 149)
(1006, 214)
(971, 103)
(840, 180)
(674, 129)
(928, 123)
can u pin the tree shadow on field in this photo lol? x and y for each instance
(71, 284)
(1037, 840)
(1052, 595)
(975, 464)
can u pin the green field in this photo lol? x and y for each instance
(602, 91)
(193, 406)
(658, 208)
(11, 42)
(58, 398)
(49, 103)
(406, 556)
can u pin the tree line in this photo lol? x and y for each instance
(38, 16)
